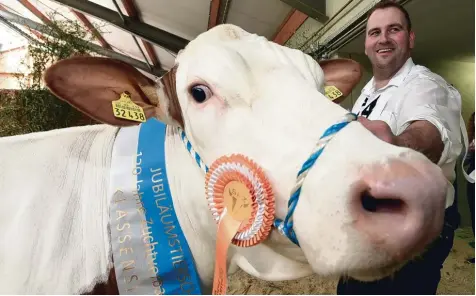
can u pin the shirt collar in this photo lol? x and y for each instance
(396, 80)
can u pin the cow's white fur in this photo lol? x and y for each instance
(54, 211)
(266, 105)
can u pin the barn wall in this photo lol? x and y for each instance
(10, 81)
(459, 71)
(13, 62)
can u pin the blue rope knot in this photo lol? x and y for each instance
(285, 226)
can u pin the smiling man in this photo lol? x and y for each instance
(408, 105)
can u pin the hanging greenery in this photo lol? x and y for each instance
(33, 107)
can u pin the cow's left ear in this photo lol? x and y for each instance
(92, 84)
(343, 74)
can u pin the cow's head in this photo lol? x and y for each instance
(235, 92)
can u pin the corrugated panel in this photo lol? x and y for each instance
(48, 7)
(183, 18)
(260, 17)
(53, 10)
(8, 40)
(108, 4)
(118, 39)
(305, 31)
(18, 8)
(347, 16)
(317, 33)
(166, 57)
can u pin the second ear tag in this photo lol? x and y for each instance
(332, 92)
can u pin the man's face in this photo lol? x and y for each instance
(387, 40)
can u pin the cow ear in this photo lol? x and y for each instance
(343, 74)
(91, 84)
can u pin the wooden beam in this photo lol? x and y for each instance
(288, 27)
(37, 34)
(131, 11)
(139, 29)
(218, 12)
(9, 18)
(151, 53)
(38, 14)
(83, 19)
(35, 11)
(213, 18)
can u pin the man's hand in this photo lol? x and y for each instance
(421, 136)
(380, 129)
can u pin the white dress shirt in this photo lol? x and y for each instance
(416, 93)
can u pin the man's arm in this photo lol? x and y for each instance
(420, 135)
(424, 137)
(427, 121)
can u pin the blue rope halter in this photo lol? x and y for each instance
(285, 226)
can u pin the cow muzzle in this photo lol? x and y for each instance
(397, 206)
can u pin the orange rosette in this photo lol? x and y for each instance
(241, 177)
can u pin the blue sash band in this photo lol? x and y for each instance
(170, 254)
(151, 254)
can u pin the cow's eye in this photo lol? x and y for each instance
(200, 93)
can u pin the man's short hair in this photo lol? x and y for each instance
(389, 3)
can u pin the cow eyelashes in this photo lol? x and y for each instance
(200, 93)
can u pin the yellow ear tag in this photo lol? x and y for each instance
(126, 109)
(332, 92)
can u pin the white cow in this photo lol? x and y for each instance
(231, 92)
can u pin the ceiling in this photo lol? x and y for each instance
(184, 18)
(443, 28)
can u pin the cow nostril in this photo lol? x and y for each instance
(381, 205)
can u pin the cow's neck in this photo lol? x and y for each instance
(186, 182)
(187, 186)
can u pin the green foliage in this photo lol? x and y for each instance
(34, 108)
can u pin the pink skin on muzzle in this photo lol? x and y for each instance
(399, 206)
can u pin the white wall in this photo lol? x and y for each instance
(13, 62)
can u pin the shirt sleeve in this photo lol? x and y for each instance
(438, 103)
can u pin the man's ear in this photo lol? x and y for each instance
(91, 84)
(344, 74)
(411, 39)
